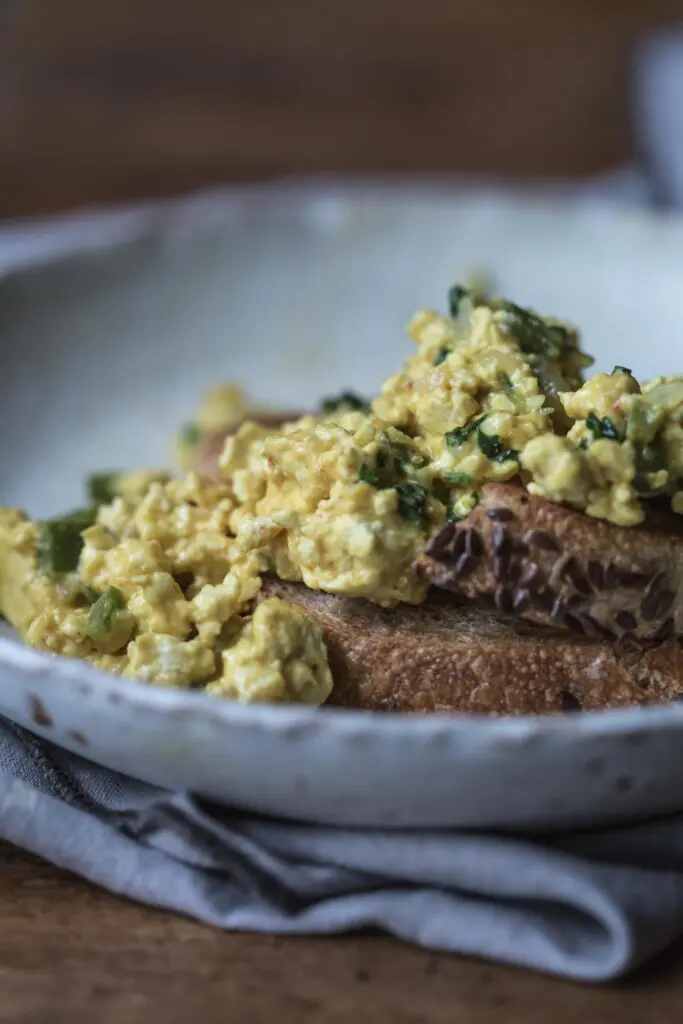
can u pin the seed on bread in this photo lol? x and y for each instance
(571, 572)
(513, 571)
(458, 544)
(575, 623)
(465, 565)
(450, 541)
(539, 539)
(501, 515)
(626, 621)
(473, 544)
(666, 600)
(543, 599)
(568, 702)
(503, 599)
(630, 580)
(655, 583)
(498, 567)
(665, 630)
(611, 580)
(589, 626)
(596, 575)
(657, 599)
(530, 573)
(520, 601)
(500, 542)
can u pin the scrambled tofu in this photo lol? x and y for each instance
(341, 504)
(159, 578)
(155, 587)
(625, 446)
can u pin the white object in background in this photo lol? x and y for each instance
(659, 113)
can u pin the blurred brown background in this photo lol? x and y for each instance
(115, 100)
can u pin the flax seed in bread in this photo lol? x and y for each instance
(553, 565)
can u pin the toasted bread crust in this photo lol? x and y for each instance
(556, 566)
(445, 656)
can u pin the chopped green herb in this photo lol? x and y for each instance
(102, 614)
(405, 457)
(405, 461)
(594, 424)
(649, 459)
(583, 443)
(394, 459)
(602, 427)
(534, 335)
(345, 400)
(369, 476)
(644, 488)
(493, 448)
(455, 438)
(609, 430)
(622, 369)
(101, 487)
(507, 385)
(512, 392)
(60, 542)
(191, 434)
(441, 355)
(583, 359)
(412, 499)
(543, 340)
(551, 379)
(456, 479)
(455, 296)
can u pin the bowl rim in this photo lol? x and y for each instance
(33, 242)
(85, 680)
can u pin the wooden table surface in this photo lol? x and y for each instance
(111, 101)
(70, 952)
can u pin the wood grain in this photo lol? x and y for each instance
(72, 953)
(112, 101)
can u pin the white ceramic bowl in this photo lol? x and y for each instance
(297, 293)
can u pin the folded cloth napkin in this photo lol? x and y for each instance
(590, 906)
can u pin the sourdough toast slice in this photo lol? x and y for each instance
(556, 566)
(447, 656)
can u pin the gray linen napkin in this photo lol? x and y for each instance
(589, 906)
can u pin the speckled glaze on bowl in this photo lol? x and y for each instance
(110, 330)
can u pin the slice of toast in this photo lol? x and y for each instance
(447, 656)
(554, 565)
